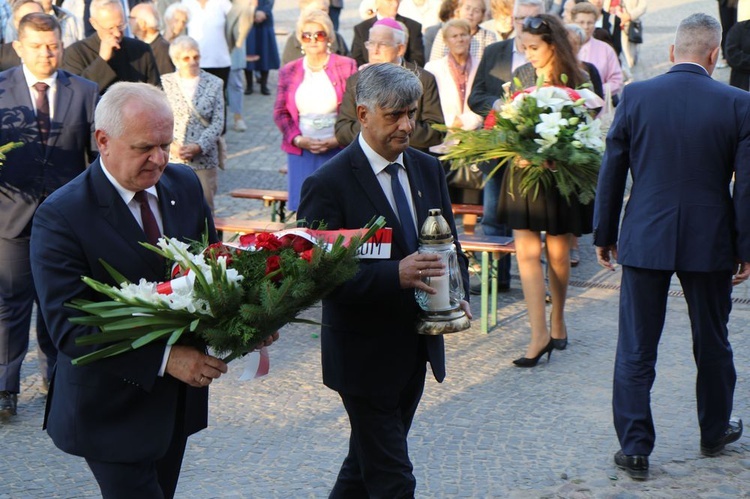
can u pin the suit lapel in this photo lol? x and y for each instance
(119, 216)
(362, 171)
(168, 206)
(416, 183)
(19, 94)
(63, 98)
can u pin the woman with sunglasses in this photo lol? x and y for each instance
(548, 50)
(309, 95)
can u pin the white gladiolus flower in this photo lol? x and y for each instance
(144, 290)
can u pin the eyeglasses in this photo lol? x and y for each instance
(120, 29)
(318, 36)
(378, 45)
(534, 23)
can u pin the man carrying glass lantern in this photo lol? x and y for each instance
(371, 352)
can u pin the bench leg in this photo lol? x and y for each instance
(485, 291)
(493, 306)
(282, 211)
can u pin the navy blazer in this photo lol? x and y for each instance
(34, 171)
(115, 409)
(681, 136)
(369, 342)
(495, 68)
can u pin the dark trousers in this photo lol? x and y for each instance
(378, 464)
(728, 18)
(643, 301)
(16, 302)
(334, 13)
(145, 480)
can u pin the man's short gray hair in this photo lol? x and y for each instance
(180, 45)
(539, 4)
(108, 116)
(149, 14)
(387, 86)
(400, 36)
(98, 5)
(578, 31)
(697, 36)
(173, 9)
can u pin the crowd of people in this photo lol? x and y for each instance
(143, 84)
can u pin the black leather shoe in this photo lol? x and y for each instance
(8, 402)
(635, 466)
(732, 434)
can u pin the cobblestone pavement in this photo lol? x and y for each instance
(490, 430)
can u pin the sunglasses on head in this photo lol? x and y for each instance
(318, 36)
(534, 22)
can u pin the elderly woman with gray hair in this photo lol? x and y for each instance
(176, 18)
(197, 100)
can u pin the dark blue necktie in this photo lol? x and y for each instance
(402, 206)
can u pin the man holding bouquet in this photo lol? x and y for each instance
(681, 136)
(371, 352)
(128, 415)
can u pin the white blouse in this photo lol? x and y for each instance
(316, 102)
(207, 26)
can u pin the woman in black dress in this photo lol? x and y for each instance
(550, 56)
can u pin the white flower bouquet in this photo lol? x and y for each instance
(549, 137)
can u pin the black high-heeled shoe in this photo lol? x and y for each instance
(559, 343)
(527, 362)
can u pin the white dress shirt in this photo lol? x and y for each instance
(378, 164)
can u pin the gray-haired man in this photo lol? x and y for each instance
(372, 354)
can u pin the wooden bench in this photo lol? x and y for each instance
(241, 226)
(275, 199)
(497, 246)
(470, 212)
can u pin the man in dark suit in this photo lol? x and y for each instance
(144, 23)
(108, 56)
(55, 124)
(129, 416)
(495, 69)
(371, 352)
(386, 43)
(681, 136)
(387, 9)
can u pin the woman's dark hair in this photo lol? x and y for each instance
(565, 62)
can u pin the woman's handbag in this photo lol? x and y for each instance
(635, 32)
(466, 177)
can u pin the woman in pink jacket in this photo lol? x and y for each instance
(309, 95)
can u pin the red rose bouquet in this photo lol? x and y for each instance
(230, 297)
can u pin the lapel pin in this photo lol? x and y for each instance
(172, 202)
